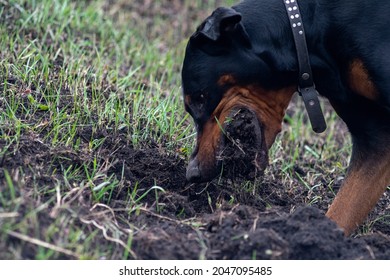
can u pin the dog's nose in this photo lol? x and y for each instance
(193, 171)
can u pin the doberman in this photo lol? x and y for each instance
(245, 56)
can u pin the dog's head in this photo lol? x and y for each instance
(222, 76)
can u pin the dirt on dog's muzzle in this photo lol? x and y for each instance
(240, 150)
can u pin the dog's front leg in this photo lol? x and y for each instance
(367, 178)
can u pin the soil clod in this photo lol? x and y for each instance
(243, 154)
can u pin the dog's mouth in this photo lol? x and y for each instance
(241, 151)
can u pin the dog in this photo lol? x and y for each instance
(245, 57)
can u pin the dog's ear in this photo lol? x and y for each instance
(220, 21)
(223, 23)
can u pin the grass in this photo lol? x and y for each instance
(67, 67)
(72, 71)
(94, 57)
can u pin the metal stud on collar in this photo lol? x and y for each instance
(306, 85)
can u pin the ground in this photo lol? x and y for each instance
(189, 221)
(97, 193)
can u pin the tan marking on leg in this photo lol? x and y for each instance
(364, 185)
(360, 82)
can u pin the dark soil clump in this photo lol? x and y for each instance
(244, 153)
(242, 232)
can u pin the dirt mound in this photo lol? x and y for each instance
(305, 234)
(243, 232)
(224, 219)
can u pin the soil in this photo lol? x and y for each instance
(192, 221)
(266, 223)
(244, 152)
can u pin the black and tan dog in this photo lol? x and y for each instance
(245, 57)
